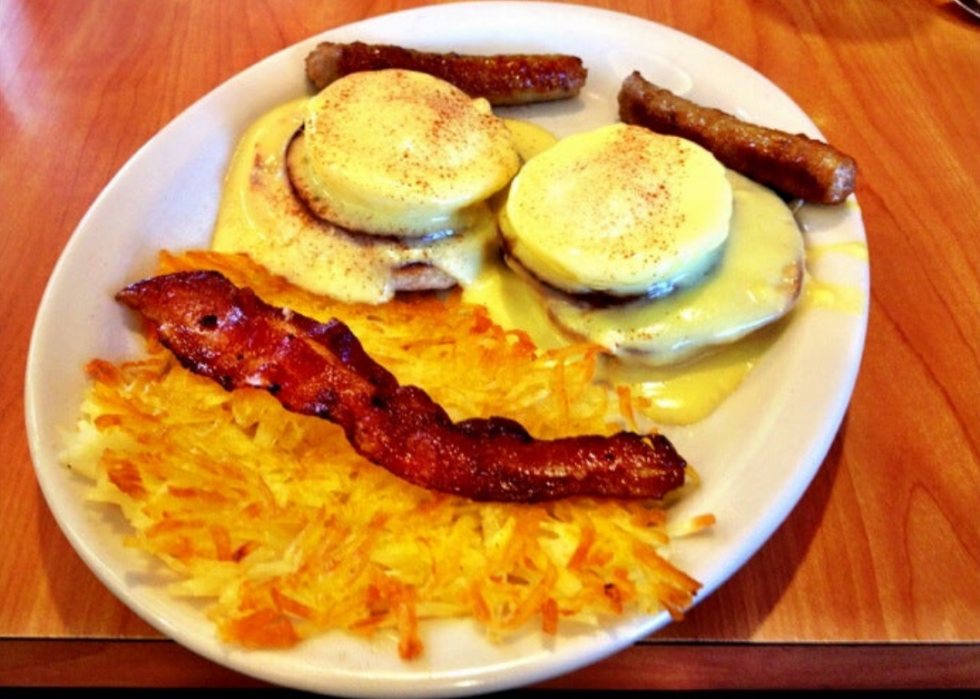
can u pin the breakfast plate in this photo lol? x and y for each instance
(756, 454)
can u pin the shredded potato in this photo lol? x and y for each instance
(274, 519)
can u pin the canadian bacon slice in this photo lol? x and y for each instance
(233, 337)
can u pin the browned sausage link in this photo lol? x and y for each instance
(500, 78)
(793, 164)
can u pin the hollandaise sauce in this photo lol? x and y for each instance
(671, 395)
(261, 217)
(841, 298)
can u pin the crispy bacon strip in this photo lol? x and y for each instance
(233, 337)
(500, 78)
(793, 164)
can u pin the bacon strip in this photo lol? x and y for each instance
(500, 78)
(230, 335)
(793, 164)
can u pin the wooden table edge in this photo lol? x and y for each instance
(161, 663)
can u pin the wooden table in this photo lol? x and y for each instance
(872, 581)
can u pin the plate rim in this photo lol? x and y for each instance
(488, 680)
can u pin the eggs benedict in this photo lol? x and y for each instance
(375, 185)
(647, 246)
(402, 153)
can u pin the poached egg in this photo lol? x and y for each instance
(646, 245)
(621, 306)
(377, 184)
(396, 152)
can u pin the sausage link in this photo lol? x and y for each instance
(500, 78)
(795, 165)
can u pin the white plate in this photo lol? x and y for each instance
(757, 453)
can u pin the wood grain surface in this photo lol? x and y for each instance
(873, 579)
